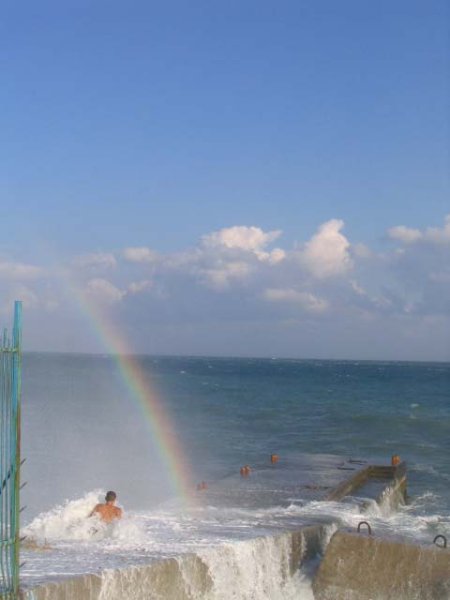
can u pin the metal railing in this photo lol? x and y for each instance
(10, 462)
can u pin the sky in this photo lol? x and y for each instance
(249, 178)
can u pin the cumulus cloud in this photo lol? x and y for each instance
(305, 300)
(246, 239)
(95, 260)
(370, 301)
(432, 235)
(140, 254)
(17, 270)
(222, 275)
(327, 253)
(273, 257)
(230, 255)
(241, 237)
(361, 251)
(235, 276)
(405, 234)
(439, 235)
(136, 287)
(104, 291)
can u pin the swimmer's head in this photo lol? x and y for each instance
(110, 496)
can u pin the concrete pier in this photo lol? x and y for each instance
(358, 566)
(354, 567)
(382, 482)
(186, 577)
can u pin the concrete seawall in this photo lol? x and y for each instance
(364, 567)
(187, 577)
(190, 576)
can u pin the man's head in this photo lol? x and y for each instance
(110, 496)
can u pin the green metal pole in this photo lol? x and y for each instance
(17, 396)
(10, 401)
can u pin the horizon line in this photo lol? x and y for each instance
(237, 357)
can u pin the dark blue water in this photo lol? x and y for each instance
(82, 425)
(235, 410)
(84, 432)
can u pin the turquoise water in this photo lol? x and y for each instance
(83, 431)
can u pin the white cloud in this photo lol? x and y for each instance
(305, 300)
(263, 287)
(221, 276)
(432, 235)
(229, 255)
(17, 270)
(360, 291)
(404, 234)
(95, 259)
(140, 254)
(136, 287)
(361, 251)
(104, 291)
(183, 260)
(327, 253)
(378, 302)
(439, 236)
(273, 257)
(241, 237)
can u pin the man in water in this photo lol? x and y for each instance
(108, 512)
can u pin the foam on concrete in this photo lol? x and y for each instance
(187, 577)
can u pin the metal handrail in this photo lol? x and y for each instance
(369, 529)
(440, 537)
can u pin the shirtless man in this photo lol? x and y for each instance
(108, 512)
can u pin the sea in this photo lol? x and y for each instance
(84, 432)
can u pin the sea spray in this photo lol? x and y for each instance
(206, 554)
(71, 521)
(259, 569)
(68, 521)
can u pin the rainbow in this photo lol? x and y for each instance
(164, 437)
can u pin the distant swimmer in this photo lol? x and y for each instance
(108, 512)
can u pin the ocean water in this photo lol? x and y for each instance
(84, 433)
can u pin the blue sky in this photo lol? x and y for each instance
(143, 141)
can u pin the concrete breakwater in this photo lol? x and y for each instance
(360, 566)
(385, 484)
(353, 566)
(268, 563)
(364, 567)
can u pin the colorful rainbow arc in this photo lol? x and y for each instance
(160, 426)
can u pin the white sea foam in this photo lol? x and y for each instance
(245, 550)
(255, 569)
(68, 521)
